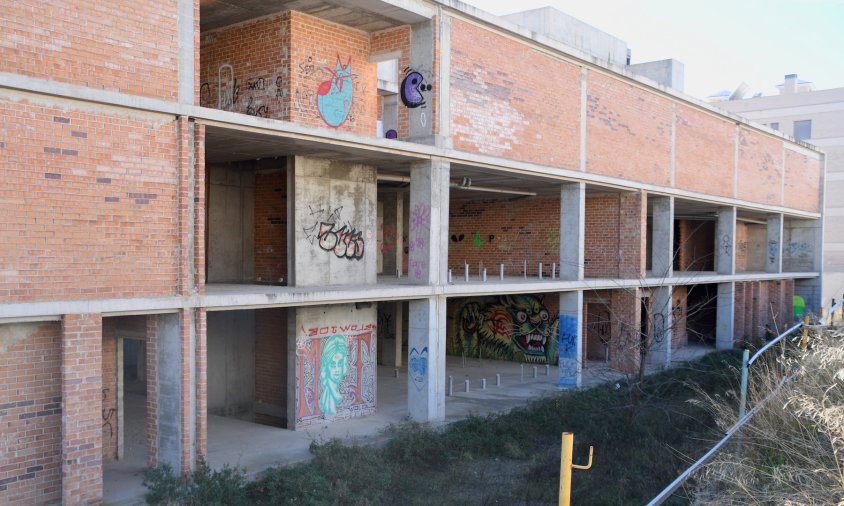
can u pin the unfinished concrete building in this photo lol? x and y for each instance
(239, 212)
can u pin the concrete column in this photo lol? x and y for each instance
(82, 433)
(725, 316)
(428, 234)
(392, 230)
(571, 338)
(572, 230)
(426, 359)
(773, 261)
(176, 400)
(187, 51)
(399, 330)
(725, 251)
(421, 118)
(662, 326)
(662, 242)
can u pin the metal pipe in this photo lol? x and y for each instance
(540, 270)
(501, 272)
(743, 401)
(498, 379)
(484, 274)
(450, 386)
(466, 272)
(483, 383)
(466, 385)
(775, 341)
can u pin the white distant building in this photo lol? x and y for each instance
(816, 117)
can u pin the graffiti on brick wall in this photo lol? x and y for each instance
(417, 366)
(388, 239)
(510, 327)
(420, 226)
(336, 372)
(335, 96)
(107, 414)
(568, 351)
(413, 89)
(253, 96)
(331, 234)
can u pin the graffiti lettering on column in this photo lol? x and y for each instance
(568, 351)
(417, 365)
(331, 235)
(344, 242)
(420, 226)
(727, 244)
(412, 89)
(107, 414)
(336, 374)
(510, 327)
(335, 96)
(773, 249)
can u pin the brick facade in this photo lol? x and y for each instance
(271, 223)
(30, 413)
(271, 362)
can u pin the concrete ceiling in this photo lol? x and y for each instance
(366, 15)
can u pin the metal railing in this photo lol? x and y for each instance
(743, 418)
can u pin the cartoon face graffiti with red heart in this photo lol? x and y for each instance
(334, 97)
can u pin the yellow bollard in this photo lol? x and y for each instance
(804, 342)
(566, 466)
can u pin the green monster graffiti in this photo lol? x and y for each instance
(511, 327)
(332, 369)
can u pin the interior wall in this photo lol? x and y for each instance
(271, 366)
(230, 224)
(231, 362)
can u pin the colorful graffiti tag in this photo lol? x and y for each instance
(412, 87)
(568, 351)
(343, 240)
(335, 96)
(510, 327)
(336, 373)
(418, 367)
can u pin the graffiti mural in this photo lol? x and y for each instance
(412, 88)
(335, 96)
(510, 327)
(417, 367)
(568, 351)
(332, 235)
(336, 372)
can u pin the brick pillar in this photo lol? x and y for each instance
(201, 382)
(738, 316)
(625, 336)
(633, 213)
(199, 206)
(82, 436)
(152, 390)
(188, 210)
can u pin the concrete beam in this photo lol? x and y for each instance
(571, 339)
(572, 230)
(428, 234)
(662, 327)
(773, 262)
(426, 359)
(725, 251)
(662, 242)
(725, 316)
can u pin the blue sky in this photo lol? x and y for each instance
(722, 43)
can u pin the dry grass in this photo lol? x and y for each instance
(792, 451)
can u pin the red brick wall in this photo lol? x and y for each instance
(496, 232)
(705, 144)
(740, 241)
(30, 414)
(109, 397)
(628, 131)
(130, 47)
(270, 360)
(739, 330)
(271, 226)
(81, 382)
(511, 100)
(680, 306)
(395, 39)
(802, 182)
(625, 344)
(89, 205)
(258, 54)
(602, 241)
(760, 167)
(633, 212)
(279, 63)
(696, 245)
